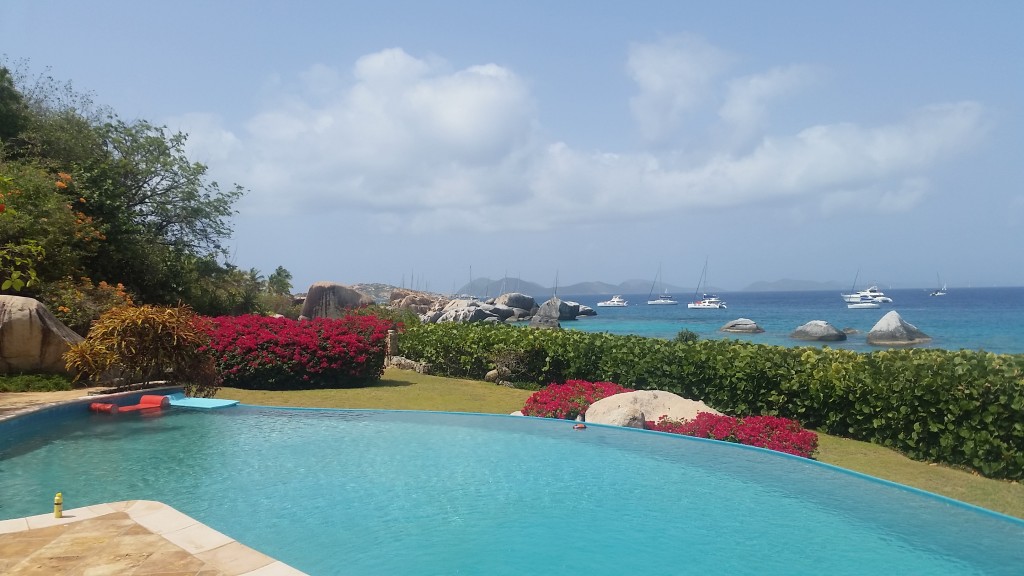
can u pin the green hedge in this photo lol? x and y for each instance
(964, 408)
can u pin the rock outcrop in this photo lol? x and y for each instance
(641, 405)
(893, 330)
(330, 300)
(742, 326)
(403, 363)
(510, 307)
(548, 315)
(818, 331)
(417, 302)
(516, 300)
(32, 339)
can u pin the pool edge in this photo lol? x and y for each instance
(193, 537)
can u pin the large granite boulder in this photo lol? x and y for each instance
(893, 330)
(742, 326)
(818, 331)
(331, 300)
(651, 404)
(417, 302)
(547, 315)
(460, 303)
(466, 315)
(516, 300)
(32, 339)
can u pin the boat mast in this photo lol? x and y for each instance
(703, 274)
(655, 283)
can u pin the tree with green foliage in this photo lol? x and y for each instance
(280, 282)
(14, 114)
(158, 208)
(116, 201)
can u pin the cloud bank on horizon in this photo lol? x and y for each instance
(414, 143)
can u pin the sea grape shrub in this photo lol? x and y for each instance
(569, 400)
(771, 432)
(263, 353)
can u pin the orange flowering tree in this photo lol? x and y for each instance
(44, 234)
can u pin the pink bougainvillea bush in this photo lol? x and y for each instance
(257, 352)
(771, 432)
(570, 399)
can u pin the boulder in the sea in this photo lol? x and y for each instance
(893, 330)
(652, 404)
(547, 315)
(742, 326)
(32, 339)
(585, 310)
(567, 309)
(332, 300)
(818, 331)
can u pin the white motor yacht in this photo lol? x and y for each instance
(616, 302)
(863, 302)
(707, 302)
(872, 293)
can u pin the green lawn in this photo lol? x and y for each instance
(402, 390)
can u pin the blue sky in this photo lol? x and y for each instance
(385, 140)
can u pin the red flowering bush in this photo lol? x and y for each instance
(771, 432)
(569, 400)
(257, 352)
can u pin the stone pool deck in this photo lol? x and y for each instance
(134, 537)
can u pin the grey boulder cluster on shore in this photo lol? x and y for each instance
(890, 330)
(509, 307)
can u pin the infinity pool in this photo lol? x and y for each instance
(372, 492)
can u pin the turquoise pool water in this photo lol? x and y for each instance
(368, 492)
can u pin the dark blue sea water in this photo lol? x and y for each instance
(990, 319)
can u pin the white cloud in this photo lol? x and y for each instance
(413, 144)
(746, 103)
(674, 77)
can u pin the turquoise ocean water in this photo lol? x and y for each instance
(990, 319)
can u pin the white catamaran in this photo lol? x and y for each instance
(664, 299)
(706, 301)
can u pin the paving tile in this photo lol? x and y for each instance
(161, 521)
(112, 565)
(198, 538)
(12, 548)
(275, 568)
(173, 561)
(13, 525)
(235, 558)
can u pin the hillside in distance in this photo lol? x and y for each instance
(488, 288)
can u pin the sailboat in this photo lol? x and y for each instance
(664, 299)
(940, 291)
(706, 301)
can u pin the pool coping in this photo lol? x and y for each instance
(214, 548)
